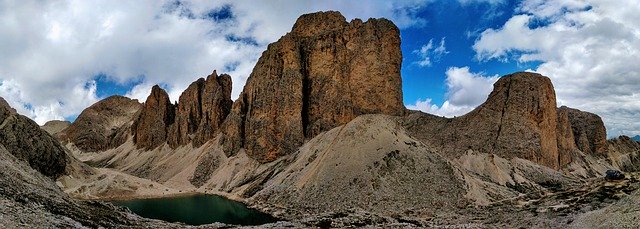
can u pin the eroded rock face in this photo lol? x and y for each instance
(24, 139)
(201, 110)
(589, 131)
(321, 75)
(157, 114)
(103, 125)
(519, 119)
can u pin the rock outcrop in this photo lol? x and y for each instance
(103, 125)
(519, 119)
(54, 127)
(26, 141)
(151, 127)
(322, 74)
(201, 110)
(588, 130)
(624, 153)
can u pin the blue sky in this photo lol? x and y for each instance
(60, 57)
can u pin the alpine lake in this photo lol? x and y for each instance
(197, 210)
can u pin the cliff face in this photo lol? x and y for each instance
(103, 125)
(151, 127)
(24, 139)
(201, 110)
(519, 119)
(321, 75)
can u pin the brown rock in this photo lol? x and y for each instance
(103, 125)
(54, 127)
(566, 140)
(589, 131)
(25, 140)
(151, 127)
(201, 110)
(321, 75)
(518, 119)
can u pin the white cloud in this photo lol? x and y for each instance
(465, 91)
(52, 50)
(428, 53)
(589, 49)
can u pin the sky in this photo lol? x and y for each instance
(59, 57)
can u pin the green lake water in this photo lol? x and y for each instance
(197, 210)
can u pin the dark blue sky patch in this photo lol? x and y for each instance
(105, 86)
(245, 40)
(220, 14)
(231, 67)
(454, 21)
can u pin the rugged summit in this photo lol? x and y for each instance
(103, 125)
(322, 74)
(151, 128)
(24, 139)
(519, 119)
(201, 110)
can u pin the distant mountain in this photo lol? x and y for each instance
(636, 138)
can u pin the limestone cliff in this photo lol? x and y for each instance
(151, 127)
(322, 74)
(201, 109)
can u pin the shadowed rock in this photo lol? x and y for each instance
(25, 140)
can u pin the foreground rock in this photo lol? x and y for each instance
(322, 74)
(24, 139)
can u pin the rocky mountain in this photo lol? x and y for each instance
(29, 198)
(54, 127)
(636, 138)
(24, 139)
(151, 127)
(201, 110)
(319, 135)
(103, 125)
(322, 74)
(519, 119)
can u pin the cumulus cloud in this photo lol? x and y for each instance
(52, 51)
(428, 53)
(465, 91)
(587, 48)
